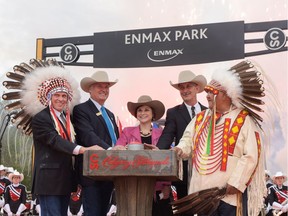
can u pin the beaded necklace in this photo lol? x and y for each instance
(146, 134)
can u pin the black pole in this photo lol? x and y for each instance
(8, 117)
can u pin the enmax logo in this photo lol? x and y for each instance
(163, 55)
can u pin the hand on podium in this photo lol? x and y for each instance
(150, 147)
(94, 147)
(178, 151)
(119, 147)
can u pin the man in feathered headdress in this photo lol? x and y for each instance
(49, 92)
(224, 142)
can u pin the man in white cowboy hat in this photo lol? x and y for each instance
(269, 183)
(178, 117)
(49, 93)
(278, 195)
(15, 195)
(224, 142)
(268, 179)
(9, 170)
(4, 182)
(95, 125)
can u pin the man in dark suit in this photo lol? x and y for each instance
(178, 117)
(53, 138)
(94, 124)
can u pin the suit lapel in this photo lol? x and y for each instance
(100, 117)
(135, 133)
(97, 112)
(184, 113)
(156, 133)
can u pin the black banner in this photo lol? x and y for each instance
(169, 46)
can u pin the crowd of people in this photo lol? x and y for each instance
(220, 145)
(276, 200)
(13, 194)
(15, 199)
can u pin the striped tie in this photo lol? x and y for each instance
(193, 112)
(63, 119)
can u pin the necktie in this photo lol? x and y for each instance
(63, 119)
(109, 125)
(193, 112)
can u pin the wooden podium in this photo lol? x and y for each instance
(134, 173)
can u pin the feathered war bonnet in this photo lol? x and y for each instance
(35, 83)
(243, 84)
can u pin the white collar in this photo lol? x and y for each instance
(96, 104)
(197, 107)
(57, 113)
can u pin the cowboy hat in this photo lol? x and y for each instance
(267, 173)
(189, 76)
(2, 167)
(10, 170)
(98, 76)
(279, 174)
(16, 173)
(157, 106)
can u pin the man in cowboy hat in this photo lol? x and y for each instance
(178, 117)
(278, 195)
(224, 142)
(269, 183)
(95, 125)
(268, 179)
(4, 182)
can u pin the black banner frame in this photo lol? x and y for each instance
(42, 44)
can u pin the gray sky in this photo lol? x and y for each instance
(22, 22)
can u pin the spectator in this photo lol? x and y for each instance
(15, 195)
(278, 195)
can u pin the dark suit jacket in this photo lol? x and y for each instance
(177, 119)
(53, 172)
(91, 129)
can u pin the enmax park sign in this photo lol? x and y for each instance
(191, 44)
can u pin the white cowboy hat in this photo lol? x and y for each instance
(10, 170)
(98, 76)
(16, 173)
(279, 174)
(267, 173)
(189, 76)
(157, 106)
(2, 167)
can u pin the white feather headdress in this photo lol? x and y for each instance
(243, 84)
(34, 84)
